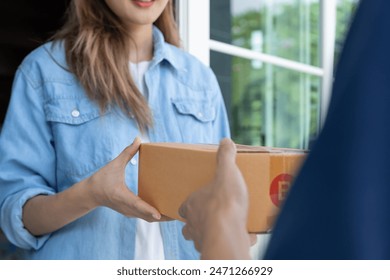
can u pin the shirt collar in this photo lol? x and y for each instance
(163, 51)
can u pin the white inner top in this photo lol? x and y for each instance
(148, 239)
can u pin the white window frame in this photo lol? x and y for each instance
(194, 25)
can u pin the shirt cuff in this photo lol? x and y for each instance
(12, 224)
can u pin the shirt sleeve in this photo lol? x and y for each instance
(27, 159)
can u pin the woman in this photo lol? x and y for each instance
(112, 73)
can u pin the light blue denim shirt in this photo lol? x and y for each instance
(54, 136)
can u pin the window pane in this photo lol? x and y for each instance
(285, 28)
(268, 105)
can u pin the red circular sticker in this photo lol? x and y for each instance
(279, 188)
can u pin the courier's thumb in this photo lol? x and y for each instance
(226, 153)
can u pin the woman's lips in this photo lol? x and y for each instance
(143, 3)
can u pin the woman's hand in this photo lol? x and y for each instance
(108, 188)
(44, 214)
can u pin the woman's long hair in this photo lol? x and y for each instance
(97, 50)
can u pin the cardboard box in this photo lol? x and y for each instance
(170, 172)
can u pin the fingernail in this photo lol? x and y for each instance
(156, 216)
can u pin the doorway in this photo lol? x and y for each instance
(24, 25)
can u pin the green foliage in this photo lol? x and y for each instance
(270, 105)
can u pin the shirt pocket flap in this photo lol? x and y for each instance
(203, 111)
(73, 111)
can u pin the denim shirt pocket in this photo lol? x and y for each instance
(82, 137)
(195, 119)
(72, 111)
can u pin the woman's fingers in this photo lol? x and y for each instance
(144, 210)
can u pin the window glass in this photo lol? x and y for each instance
(284, 28)
(269, 105)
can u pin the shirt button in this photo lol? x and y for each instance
(75, 113)
(200, 114)
(133, 161)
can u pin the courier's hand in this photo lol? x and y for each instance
(216, 215)
(108, 188)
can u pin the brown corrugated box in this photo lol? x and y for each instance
(170, 172)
